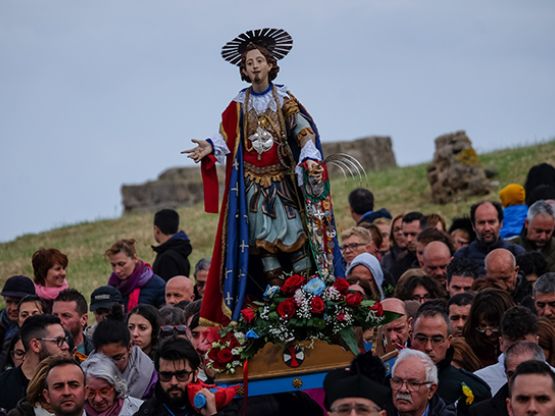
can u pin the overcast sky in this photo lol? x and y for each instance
(100, 93)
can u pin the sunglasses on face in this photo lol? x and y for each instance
(181, 375)
(168, 330)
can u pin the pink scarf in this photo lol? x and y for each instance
(50, 293)
(112, 411)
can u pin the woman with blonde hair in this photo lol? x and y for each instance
(133, 277)
(33, 404)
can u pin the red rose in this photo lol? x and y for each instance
(248, 315)
(317, 305)
(287, 308)
(224, 356)
(213, 354)
(292, 283)
(341, 316)
(230, 340)
(378, 308)
(341, 285)
(353, 299)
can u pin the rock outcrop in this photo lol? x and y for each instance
(456, 171)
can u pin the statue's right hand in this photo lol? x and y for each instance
(203, 148)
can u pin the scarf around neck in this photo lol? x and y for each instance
(140, 277)
(114, 410)
(50, 293)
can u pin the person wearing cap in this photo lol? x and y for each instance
(266, 135)
(103, 300)
(346, 392)
(15, 289)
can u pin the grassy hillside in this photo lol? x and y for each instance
(399, 189)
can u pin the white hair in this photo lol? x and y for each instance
(429, 366)
(100, 366)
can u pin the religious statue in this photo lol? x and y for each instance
(276, 216)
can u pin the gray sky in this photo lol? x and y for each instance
(97, 94)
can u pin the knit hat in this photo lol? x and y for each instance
(18, 287)
(340, 384)
(512, 194)
(371, 263)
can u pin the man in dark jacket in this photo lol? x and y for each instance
(177, 363)
(537, 234)
(487, 219)
(431, 336)
(173, 247)
(414, 383)
(516, 354)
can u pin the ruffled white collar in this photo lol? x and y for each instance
(260, 102)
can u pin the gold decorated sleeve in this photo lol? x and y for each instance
(290, 107)
(304, 135)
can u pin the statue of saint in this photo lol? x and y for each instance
(271, 148)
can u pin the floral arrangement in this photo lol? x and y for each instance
(299, 309)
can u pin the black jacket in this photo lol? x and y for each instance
(451, 381)
(172, 257)
(477, 251)
(496, 406)
(438, 407)
(155, 407)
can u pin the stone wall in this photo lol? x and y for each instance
(183, 185)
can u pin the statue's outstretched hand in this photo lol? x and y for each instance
(314, 170)
(204, 148)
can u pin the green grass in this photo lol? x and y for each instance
(399, 189)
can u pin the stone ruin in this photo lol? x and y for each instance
(456, 171)
(182, 186)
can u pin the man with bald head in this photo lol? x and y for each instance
(501, 266)
(179, 289)
(396, 332)
(435, 259)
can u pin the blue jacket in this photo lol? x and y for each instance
(513, 220)
(477, 251)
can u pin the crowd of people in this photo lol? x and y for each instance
(473, 334)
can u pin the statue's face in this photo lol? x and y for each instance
(257, 69)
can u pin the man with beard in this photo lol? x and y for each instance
(177, 364)
(64, 388)
(71, 308)
(42, 336)
(487, 219)
(544, 296)
(537, 234)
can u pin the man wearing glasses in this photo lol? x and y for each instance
(414, 383)
(42, 336)
(177, 364)
(431, 335)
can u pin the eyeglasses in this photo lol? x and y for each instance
(360, 409)
(60, 341)
(421, 298)
(167, 330)
(181, 375)
(412, 385)
(483, 329)
(103, 392)
(423, 339)
(351, 246)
